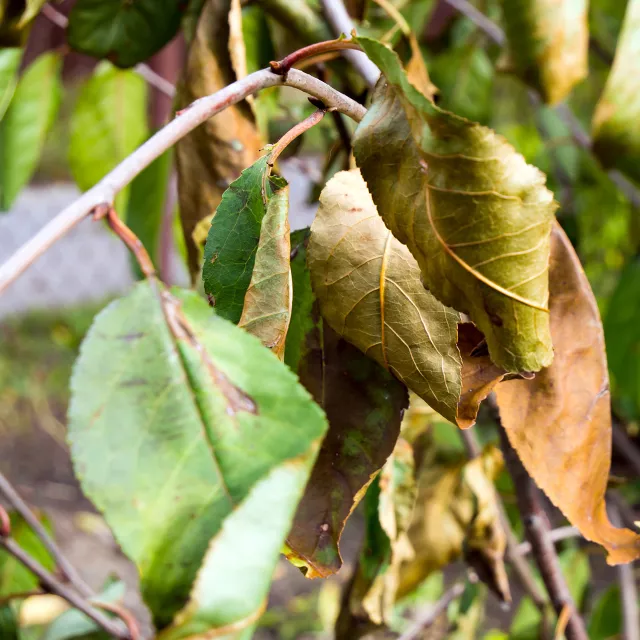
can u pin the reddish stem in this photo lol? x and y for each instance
(281, 67)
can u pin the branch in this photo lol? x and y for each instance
(580, 136)
(143, 70)
(69, 571)
(186, 121)
(537, 531)
(52, 585)
(341, 23)
(433, 613)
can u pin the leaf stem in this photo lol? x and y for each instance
(293, 133)
(537, 530)
(185, 122)
(281, 67)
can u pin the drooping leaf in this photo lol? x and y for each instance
(212, 156)
(9, 63)
(123, 32)
(475, 216)
(26, 123)
(108, 123)
(369, 290)
(568, 453)
(548, 43)
(364, 406)
(267, 304)
(146, 204)
(234, 236)
(31, 11)
(456, 513)
(606, 617)
(194, 421)
(616, 139)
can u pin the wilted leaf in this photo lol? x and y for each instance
(123, 32)
(31, 11)
(417, 71)
(9, 63)
(212, 156)
(560, 421)
(146, 206)
(108, 123)
(548, 43)
(364, 406)
(456, 512)
(233, 238)
(211, 421)
(267, 304)
(616, 138)
(475, 216)
(369, 290)
(25, 124)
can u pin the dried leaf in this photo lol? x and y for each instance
(548, 43)
(560, 421)
(616, 137)
(417, 72)
(234, 236)
(475, 216)
(267, 304)
(369, 290)
(456, 509)
(212, 156)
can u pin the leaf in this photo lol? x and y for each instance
(146, 206)
(212, 421)
(108, 123)
(9, 629)
(9, 63)
(548, 43)
(568, 453)
(606, 617)
(212, 156)
(25, 124)
(32, 10)
(622, 333)
(74, 624)
(125, 33)
(234, 236)
(267, 304)
(364, 406)
(369, 290)
(430, 173)
(456, 511)
(616, 139)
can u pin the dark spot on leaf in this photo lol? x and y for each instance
(130, 337)
(134, 382)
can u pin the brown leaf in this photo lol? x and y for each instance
(267, 304)
(560, 421)
(212, 156)
(364, 405)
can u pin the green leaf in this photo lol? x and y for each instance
(75, 624)
(9, 63)
(605, 622)
(577, 572)
(548, 43)
(369, 290)
(616, 138)
(14, 577)
(178, 420)
(108, 123)
(25, 124)
(364, 405)
(232, 243)
(146, 205)
(32, 10)
(267, 304)
(475, 216)
(622, 336)
(123, 32)
(8, 623)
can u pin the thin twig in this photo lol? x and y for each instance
(52, 585)
(123, 614)
(625, 447)
(555, 535)
(187, 120)
(434, 612)
(313, 51)
(580, 136)
(143, 70)
(338, 18)
(293, 133)
(68, 570)
(537, 531)
(628, 592)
